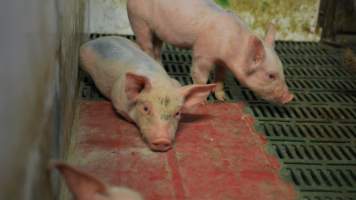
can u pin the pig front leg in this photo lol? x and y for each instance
(157, 46)
(200, 70)
(146, 39)
(150, 44)
(219, 80)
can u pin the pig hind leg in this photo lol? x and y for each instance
(219, 79)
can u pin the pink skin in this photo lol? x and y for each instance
(217, 37)
(84, 186)
(140, 89)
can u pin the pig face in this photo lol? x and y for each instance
(263, 70)
(156, 109)
(83, 186)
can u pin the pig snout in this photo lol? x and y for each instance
(160, 144)
(280, 95)
(287, 97)
(161, 137)
(284, 97)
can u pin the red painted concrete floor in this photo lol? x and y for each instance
(217, 156)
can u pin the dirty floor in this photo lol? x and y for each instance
(217, 155)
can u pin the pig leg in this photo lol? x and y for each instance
(144, 36)
(157, 45)
(200, 73)
(200, 70)
(219, 80)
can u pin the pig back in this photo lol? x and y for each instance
(176, 22)
(107, 59)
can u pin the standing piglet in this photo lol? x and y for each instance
(139, 88)
(84, 186)
(217, 37)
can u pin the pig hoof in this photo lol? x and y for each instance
(220, 95)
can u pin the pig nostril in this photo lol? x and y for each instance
(161, 145)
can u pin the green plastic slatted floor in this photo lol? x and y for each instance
(315, 135)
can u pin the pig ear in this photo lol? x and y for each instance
(258, 51)
(135, 84)
(271, 35)
(257, 54)
(80, 184)
(197, 93)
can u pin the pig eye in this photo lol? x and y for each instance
(272, 76)
(177, 114)
(145, 109)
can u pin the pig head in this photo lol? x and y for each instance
(139, 88)
(259, 68)
(84, 186)
(156, 106)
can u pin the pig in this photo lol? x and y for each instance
(140, 89)
(219, 40)
(84, 186)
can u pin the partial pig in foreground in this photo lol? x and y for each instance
(139, 88)
(84, 186)
(217, 37)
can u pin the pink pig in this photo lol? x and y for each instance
(217, 37)
(84, 186)
(139, 88)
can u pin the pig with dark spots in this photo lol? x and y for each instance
(84, 186)
(219, 39)
(139, 88)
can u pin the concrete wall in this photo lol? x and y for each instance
(38, 68)
(107, 16)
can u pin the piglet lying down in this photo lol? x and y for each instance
(139, 88)
(217, 37)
